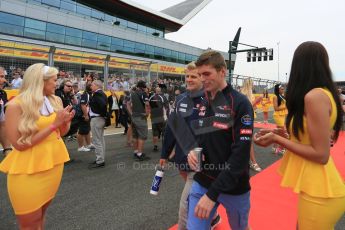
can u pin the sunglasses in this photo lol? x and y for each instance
(69, 86)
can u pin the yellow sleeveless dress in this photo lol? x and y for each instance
(265, 104)
(34, 175)
(321, 187)
(280, 116)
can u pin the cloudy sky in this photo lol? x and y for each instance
(265, 23)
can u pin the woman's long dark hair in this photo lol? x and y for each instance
(276, 92)
(310, 69)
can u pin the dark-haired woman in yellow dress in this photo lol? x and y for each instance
(35, 122)
(280, 113)
(314, 114)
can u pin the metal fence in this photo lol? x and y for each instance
(259, 84)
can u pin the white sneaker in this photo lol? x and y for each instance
(91, 146)
(83, 149)
(255, 166)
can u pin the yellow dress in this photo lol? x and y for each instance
(280, 116)
(34, 175)
(265, 104)
(315, 182)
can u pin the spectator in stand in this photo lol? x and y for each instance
(65, 92)
(20, 71)
(132, 81)
(82, 82)
(75, 92)
(109, 83)
(120, 84)
(6, 145)
(61, 78)
(17, 81)
(125, 85)
(89, 78)
(96, 76)
(116, 85)
(3, 80)
(113, 103)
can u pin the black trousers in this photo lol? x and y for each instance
(125, 120)
(116, 116)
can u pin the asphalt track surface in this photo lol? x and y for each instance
(116, 196)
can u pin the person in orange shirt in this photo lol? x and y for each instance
(35, 122)
(314, 114)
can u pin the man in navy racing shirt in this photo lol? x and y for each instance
(224, 131)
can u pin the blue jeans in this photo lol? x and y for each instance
(237, 209)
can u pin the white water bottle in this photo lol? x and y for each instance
(157, 179)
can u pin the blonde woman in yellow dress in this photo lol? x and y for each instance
(314, 113)
(247, 89)
(280, 113)
(35, 122)
(265, 102)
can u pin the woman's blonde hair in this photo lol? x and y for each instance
(31, 99)
(247, 88)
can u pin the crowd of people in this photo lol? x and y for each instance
(203, 112)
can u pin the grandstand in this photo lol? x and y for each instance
(107, 37)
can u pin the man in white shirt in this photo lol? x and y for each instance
(17, 81)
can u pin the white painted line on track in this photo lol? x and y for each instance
(117, 133)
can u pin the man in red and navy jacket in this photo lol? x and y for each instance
(224, 131)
